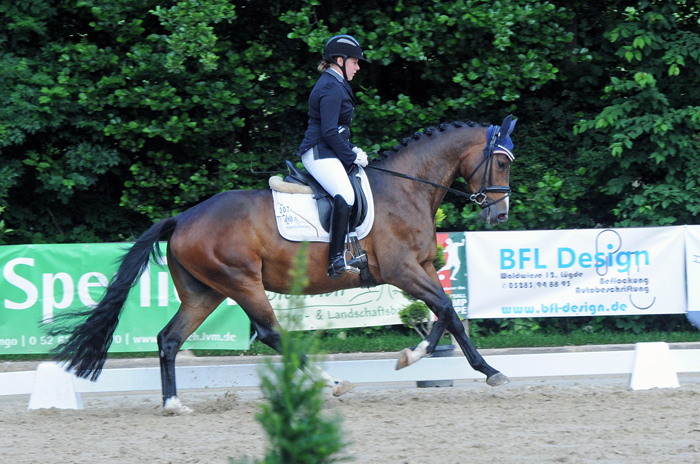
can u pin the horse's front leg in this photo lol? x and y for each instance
(271, 337)
(431, 292)
(493, 377)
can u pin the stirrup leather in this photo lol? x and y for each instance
(359, 257)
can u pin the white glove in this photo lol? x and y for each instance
(361, 159)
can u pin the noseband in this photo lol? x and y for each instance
(479, 197)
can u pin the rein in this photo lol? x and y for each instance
(479, 197)
(434, 184)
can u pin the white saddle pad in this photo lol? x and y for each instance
(298, 220)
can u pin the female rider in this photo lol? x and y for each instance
(326, 151)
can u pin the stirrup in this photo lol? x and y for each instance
(357, 262)
(340, 266)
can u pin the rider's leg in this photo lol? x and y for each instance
(336, 245)
(331, 174)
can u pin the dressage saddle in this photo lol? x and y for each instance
(324, 200)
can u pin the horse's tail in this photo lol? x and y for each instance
(85, 351)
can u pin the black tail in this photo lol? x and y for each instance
(85, 351)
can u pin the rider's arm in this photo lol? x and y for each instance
(331, 104)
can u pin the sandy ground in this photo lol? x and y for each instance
(572, 420)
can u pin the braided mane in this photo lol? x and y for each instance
(430, 132)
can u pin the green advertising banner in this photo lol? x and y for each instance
(40, 281)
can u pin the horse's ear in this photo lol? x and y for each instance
(506, 127)
(512, 125)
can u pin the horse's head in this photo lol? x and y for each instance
(487, 172)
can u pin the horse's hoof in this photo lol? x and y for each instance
(342, 387)
(497, 379)
(174, 407)
(403, 359)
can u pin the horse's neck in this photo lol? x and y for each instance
(435, 161)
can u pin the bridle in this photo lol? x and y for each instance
(479, 197)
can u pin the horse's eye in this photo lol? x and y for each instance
(501, 165)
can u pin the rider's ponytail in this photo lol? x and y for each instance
(323, 65)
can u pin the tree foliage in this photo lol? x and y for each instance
(652, 115)
(118, 113)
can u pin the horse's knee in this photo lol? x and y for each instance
(443, 307)
(443, 310)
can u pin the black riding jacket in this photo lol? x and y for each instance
(331, 107)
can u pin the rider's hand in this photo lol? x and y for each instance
(361, 159)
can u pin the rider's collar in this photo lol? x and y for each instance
(335, 74)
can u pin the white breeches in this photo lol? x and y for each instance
(330, 173)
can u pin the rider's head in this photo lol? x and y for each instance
(343, 51)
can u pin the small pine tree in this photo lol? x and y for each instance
(292, 414)
(417, 316)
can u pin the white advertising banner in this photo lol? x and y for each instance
(692, 260)
(357, 307)
(590, 272)
(376, 306)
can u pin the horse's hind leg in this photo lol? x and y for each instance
(271, 337)
(198, 302)
(170, 339)
(258, 308)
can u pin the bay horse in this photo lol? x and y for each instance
(229, 246)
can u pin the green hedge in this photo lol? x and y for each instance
(118, 113)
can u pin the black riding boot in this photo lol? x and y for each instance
(336, 245)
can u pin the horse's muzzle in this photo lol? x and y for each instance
(493, 216)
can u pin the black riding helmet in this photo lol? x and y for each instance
(344, 46)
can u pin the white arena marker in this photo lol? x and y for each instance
(54, 388)
(653, 367)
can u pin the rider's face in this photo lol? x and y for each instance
(351, 67)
